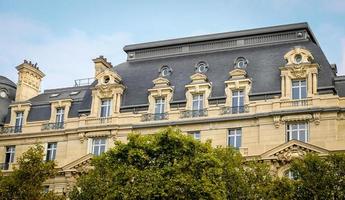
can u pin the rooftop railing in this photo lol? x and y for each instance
(83, 81)
(194, 113)
(154, 116)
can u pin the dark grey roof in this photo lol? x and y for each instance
(340, 85)
(6, 81)
(219, 36)
(263, 69)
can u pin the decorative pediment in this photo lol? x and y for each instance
(198, 78)
(238, 74)
(80, 165)
(298, 55)
(161, 82)
(108, 76)
(292, 149)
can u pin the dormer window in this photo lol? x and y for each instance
(3, 94)
(241, 63)
(19, 122)
(59, 120)
(299, 89)
(298, 58)
(106, 79)
(165, 71)
(105, 108)
(201, 67)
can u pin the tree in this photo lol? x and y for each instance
(169, 165)
(25, 182)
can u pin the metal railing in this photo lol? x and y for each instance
(83, 82)
(193, 113)
(11, 129)
(99, 120)
(4, 166)
(234, 110)
(52, 126)
(154, 116)
(296, 103)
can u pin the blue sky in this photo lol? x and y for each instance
(63, 36)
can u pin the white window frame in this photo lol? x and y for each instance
(105, 103)
(11, 150)
(299, 87)
(60, 114)
(237, 133)
(236, 96)
(93, 145)
(19, 119)
(51, 151)
(160, 104)
(195, 134)
(199, 100)
(289, 131)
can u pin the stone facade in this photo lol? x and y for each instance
(274, 129)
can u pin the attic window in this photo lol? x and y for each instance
(201, 67)
(241, 62)
(165, 71)
(3, 93)
(74, 93)
(54, 95)
(106, 79)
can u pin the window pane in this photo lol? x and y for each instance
(238, 141)
(303, 92)
(294, 135)
(232, 141)
(295, 93)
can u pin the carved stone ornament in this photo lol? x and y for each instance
(299, 71)
(291, 152)
(316, 118)
(276, 121)
(237, 73)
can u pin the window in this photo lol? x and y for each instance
(298, 58)
(165, 71)
(98, 146)
(299, 89)
(241, 62)
(9, 157)
(198, 102)
(290, 175)
(159, 108)
(237, 101)
(3, 93)
(59, 117)
(201, 67)
(19, 122)
(297, 131)
(51, 151)
(235, 137)
(195, 134)
(105, 108)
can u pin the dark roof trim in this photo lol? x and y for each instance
(219, 36)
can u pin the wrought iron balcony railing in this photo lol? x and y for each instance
(234, 110)
(11, 129)
(52, 126)
(193, 113)
(4, 166)
(154, 116)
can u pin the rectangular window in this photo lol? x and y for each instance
(299, 89)
(10, 152)
(198, 102)
(98, 146)
(297, 131)
(237, 101)
(235, 137)
(59, 120)
(19, 122)
(159, 109)
(51, 151)
(195, 134)
(105, 108)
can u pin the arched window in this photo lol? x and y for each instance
(165, 71)
(201, 67)
(241, 63)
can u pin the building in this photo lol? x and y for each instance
(270, 92)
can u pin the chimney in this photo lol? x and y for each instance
(29, 81)
(101, 64)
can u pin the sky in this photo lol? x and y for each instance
(64, 36)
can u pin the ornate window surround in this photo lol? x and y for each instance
(161, 89)
(22, 107)
(238, 81)
(63, 103)
(293, 70)
(199, 85)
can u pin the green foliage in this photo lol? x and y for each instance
(25, 182)
(170, 165)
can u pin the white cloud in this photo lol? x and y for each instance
(62, 58)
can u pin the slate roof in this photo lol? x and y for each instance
(10, 88)
(6, 81)
(263, 70)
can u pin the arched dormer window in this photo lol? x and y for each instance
(201, 67)
(240, 63)
(165, 71)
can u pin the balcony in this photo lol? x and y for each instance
(154, 117)
(52, 126)
(11, 129)
(194, 113)
(234, 110)
(99, 120)
(4, 166)
(296, 103)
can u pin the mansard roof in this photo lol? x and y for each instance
(264, 48)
